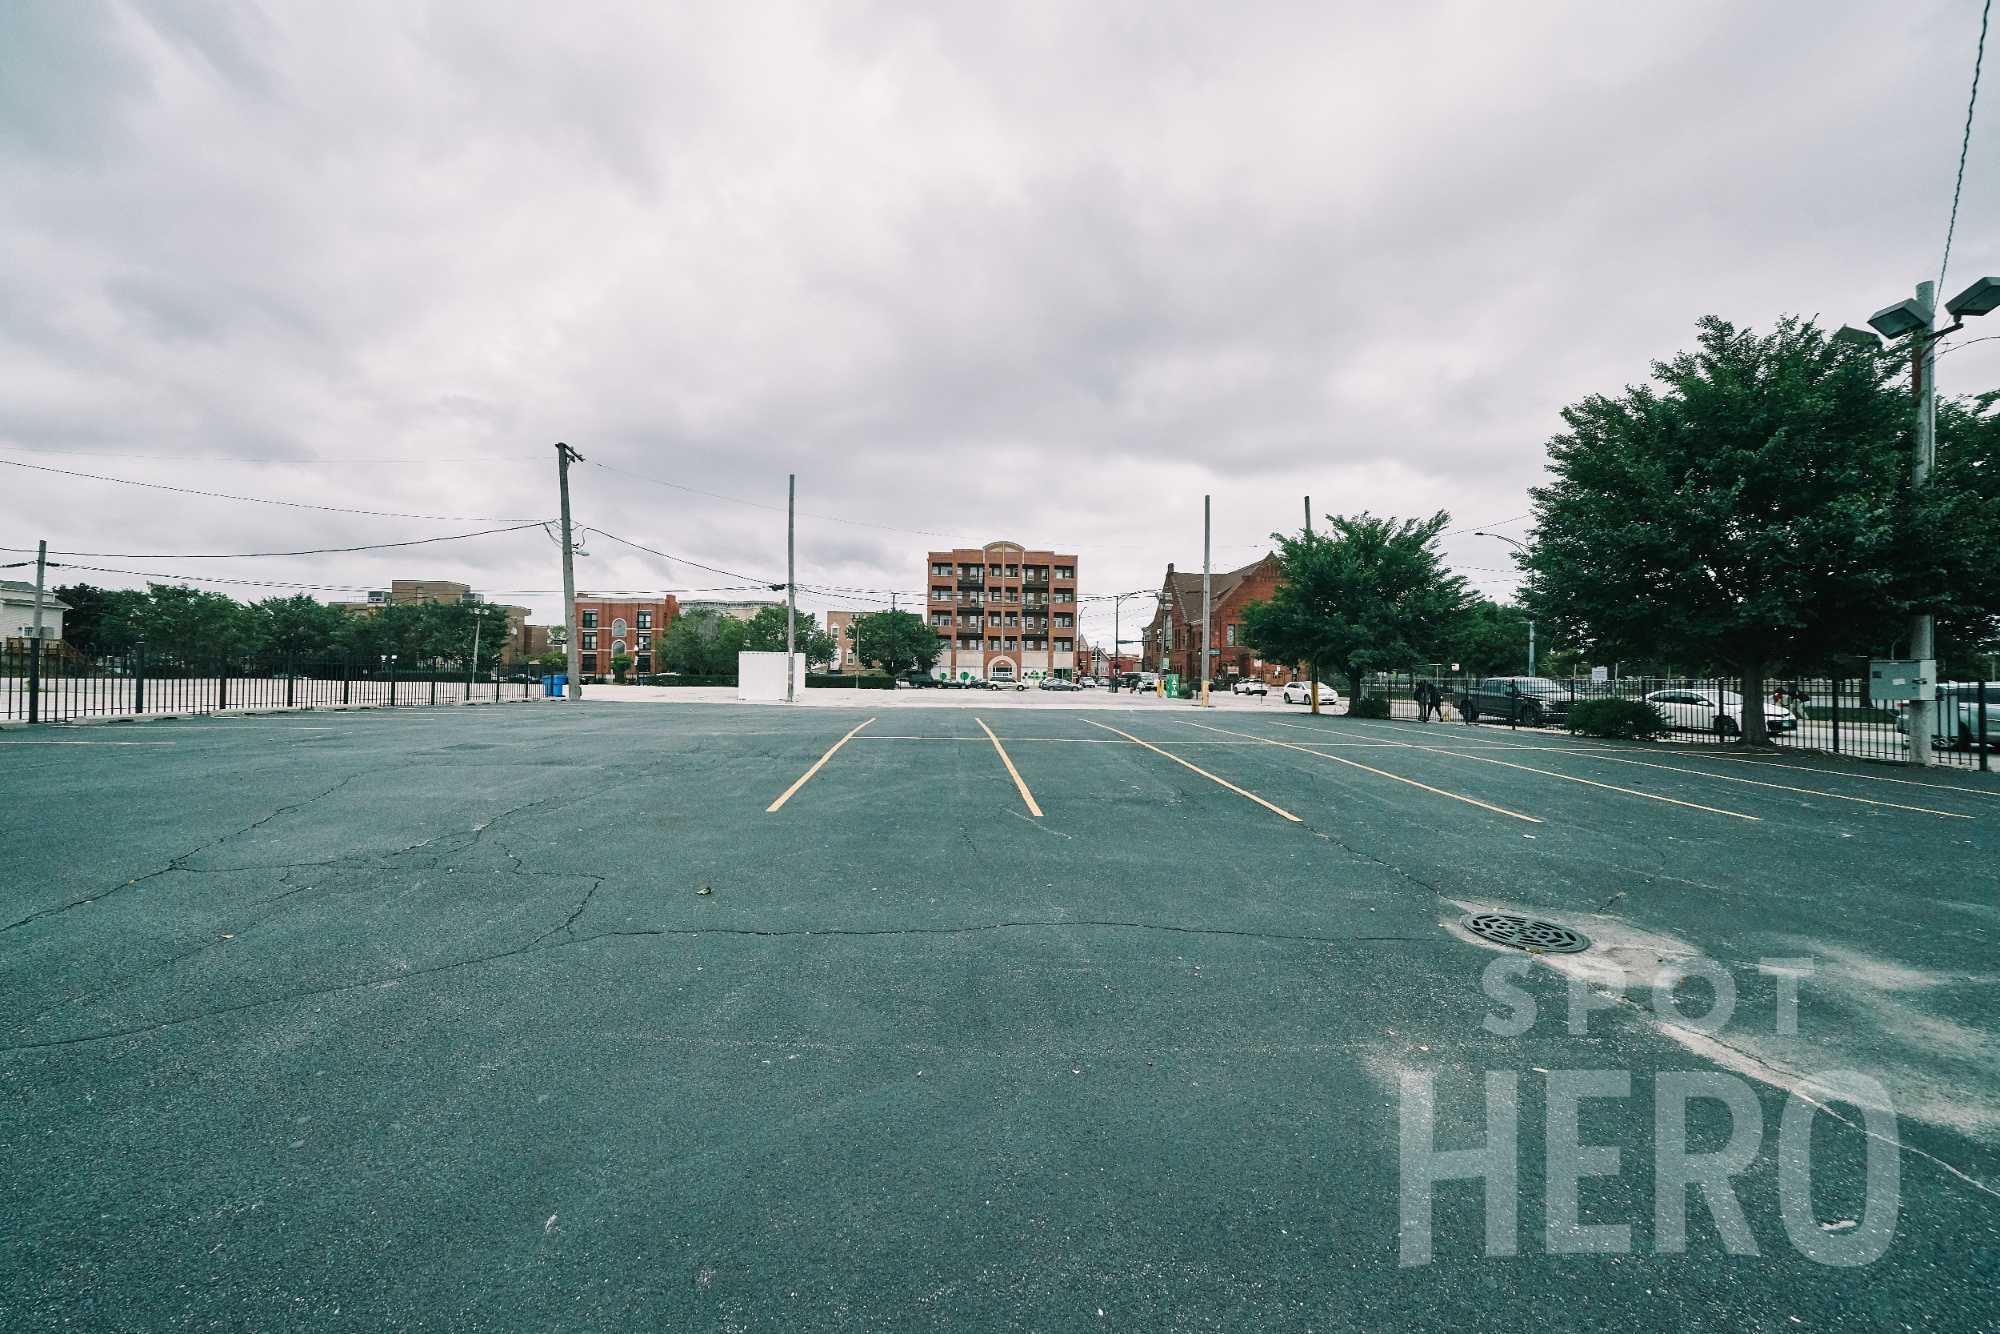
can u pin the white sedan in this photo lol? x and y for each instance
(1249, 685)
(1300, 692)
(1717, 711)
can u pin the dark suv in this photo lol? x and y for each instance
(1531, 701)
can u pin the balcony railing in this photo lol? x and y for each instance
(972, 581)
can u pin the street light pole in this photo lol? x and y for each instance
(570, 636)
(1522, 548)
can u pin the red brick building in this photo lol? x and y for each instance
(609, 626)
(1004, 612)
(1172, 637)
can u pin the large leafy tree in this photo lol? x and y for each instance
(897, 641)
(1367, 594)
(1491, 639)
(1754, 511)
(702, 643)
(766, 634)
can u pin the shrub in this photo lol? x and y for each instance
(834, 682)
(1368, 706)
(665, 679)
(1628, 719)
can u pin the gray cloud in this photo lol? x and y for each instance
(1044, 272)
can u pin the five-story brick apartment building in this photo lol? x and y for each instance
(1005, 613)
(609, 626)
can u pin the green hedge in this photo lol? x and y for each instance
(1368, 706)
(851, 682)
(1627, 719)
(728, 680)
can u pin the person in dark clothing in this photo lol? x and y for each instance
(1427, 701)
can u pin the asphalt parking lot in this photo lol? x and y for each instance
(716, 1016)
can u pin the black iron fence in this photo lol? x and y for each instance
(1835, 714)
(45, 688)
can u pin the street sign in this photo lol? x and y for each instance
(1599, 675)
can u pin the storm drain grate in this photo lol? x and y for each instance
(1526, 933)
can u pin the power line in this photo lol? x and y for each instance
(262, 500)
(292, 461)
(1965, 143)
(313, 551)
(712, 569)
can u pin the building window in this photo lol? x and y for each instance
(940, 571)
(1229, 634)
(993, 572)
(590, 641)
(645, 641)
(618, 626)
(645, 663)
(588, 663)
(993, 645)
(617, 647)
(1013, 571)
(941, 618)
(1065, 572)
(1065, 622)
(1010, 643)
(940, 595)
(590, 619)
(645, 620)
(1064, 645)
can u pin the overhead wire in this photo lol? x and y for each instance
(1965, 143)
(310, 551)
(262, 500)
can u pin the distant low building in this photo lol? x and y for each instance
(416, 592)
(17, 611)
(840, 624)
(1172, 640)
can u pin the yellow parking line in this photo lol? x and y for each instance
(817, 764)
(1026, 795)
(1279, 810)
(1381, 773)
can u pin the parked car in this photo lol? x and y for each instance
(1249, 685)
(1088, 682)
(1717, 711)
(1300, 692)
(1956, 722)
(1532, 701)
(1057, 683)
(916, 681)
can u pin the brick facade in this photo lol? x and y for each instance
(1004, 612)
(606, 627)
(1172, 637)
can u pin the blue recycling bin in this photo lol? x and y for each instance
(553, 686)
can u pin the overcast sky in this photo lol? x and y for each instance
(1042, 273)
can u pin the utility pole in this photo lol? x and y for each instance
(791, 583)
(571, 638)
(1312, 668)
(1207, 599)
(1923, 627)
(1117, 605)
(478, 623)
(1531, 648)
(35, 647)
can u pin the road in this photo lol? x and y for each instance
(706, 1016)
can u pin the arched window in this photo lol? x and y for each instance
(618, 626)
(617, 646)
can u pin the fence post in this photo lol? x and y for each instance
(434, 683)
(139, 676)
(346, 674)
(392, 681)
(1983, 765)
(35, 679)
(1838, 682)
(290, 676)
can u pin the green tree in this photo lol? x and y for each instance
(1368, 594)
(194, 628)
(299, 628)
(1752, 512)
(101, 620)
(765, 633)
(702, 643)
(897, 641)
(1491, 640)
(1968, 470)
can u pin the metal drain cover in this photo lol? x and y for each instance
(1526, 933)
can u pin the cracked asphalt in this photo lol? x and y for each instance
(423, 1021)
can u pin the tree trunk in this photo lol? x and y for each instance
(1753, 705)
